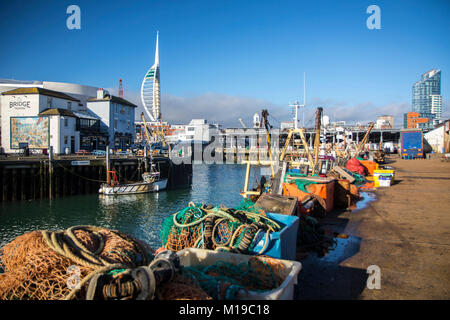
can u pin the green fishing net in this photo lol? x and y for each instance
(300, 183)
(197, 226)
(223, 280)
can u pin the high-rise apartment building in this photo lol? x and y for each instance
(424, 92)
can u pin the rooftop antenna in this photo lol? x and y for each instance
(304, 99)
(295, 106)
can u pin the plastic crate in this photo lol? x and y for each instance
(202, 257)
(282, 244)
(390, 174)
(384, 181)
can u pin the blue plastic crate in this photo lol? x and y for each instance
(282, 244)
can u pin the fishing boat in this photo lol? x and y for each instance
(152, 182)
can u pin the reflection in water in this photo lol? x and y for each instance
(140, 215)
(367, 197)
(344, 249)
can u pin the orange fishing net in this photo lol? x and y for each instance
(32, 270)
(181, 288)
(180, 238)
(271, 270)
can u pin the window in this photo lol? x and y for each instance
(66, 122)
(65, 140)
(128, 124)
(115, 124)
(69, 105)
(49, 102)
(191, 129)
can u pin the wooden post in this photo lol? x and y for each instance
(146, 158)
(247, 175)
(35, 187)
(50, 173)
(41, 180)
(65, 188)
(5, 184)
(14, 184)
(79, 182)
(108, 180)
(23, 183)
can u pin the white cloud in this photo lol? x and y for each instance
(226, 109)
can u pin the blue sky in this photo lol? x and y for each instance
(224, 59)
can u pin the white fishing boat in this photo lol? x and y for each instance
(152, 182)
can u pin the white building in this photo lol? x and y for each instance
(199, 130)
(436, 108)
(438, 138)
(176, 133)
(384, 122)
(39, 118)
(77, 91)
(117, 118)
(287, 125)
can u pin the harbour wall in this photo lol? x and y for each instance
(40, 178)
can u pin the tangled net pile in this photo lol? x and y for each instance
(223, 280)
(232, 229)
(36, 264)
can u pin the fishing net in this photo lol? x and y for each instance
(359, 178)
(235, 229)
(176, 238)
(249, 206)
(300, 183)
(182, 288)
(223, 280)
(34, 270)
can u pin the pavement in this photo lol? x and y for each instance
(402, 230)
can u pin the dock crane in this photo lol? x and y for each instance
(364, 140)
(155, 134)
(313, 158)
(146, 130)
(246, 193)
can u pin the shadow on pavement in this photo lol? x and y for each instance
(324, 278)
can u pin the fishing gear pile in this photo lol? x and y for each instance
(217, 228)
(223, 280)
(83, 262)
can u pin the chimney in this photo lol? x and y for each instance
(100, 93)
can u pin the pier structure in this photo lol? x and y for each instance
(239, 144)
(56, 176)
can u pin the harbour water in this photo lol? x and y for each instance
(139, 215)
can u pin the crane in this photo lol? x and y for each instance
(264, 115)
(155, 134)
(145, 129)
(364, 140)
(242, 123)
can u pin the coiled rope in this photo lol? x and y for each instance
(214, 219)
(144, 281)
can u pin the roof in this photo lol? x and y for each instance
(84, 115)
(57, 112)
(36, 90)
(115, 100)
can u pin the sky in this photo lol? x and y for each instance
(224, 59)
